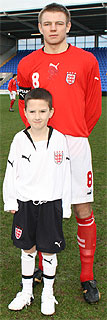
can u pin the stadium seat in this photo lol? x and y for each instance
(100, 54)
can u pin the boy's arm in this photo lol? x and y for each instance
(66, 199)
(13, 211)
(9, 184)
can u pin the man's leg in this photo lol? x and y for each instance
(82, 197)
(11, 104)
(12, 98)
(38, 273)
(86, 237)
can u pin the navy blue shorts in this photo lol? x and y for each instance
(39, 225)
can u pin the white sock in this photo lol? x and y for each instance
(28, 266)
(49, 270)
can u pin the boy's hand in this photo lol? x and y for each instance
(12, 211)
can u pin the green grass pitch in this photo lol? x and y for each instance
(67, 285)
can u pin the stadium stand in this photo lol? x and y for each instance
(100, 54)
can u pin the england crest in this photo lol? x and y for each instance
(58, 157)
(18, 232)
(70, 77)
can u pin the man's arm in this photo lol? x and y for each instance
(10, 85)
(66, 199)
(23, 89)
(93, 96)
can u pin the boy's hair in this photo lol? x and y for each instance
(14, 75)
(55, 7)
(39, 94)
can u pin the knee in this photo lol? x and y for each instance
(82, 210)
(27, 255)
(32, 250)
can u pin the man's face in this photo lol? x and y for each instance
(53, 27)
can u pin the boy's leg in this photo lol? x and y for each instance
(49, 239)
(49, 270)
(25, 297)
(28, 265)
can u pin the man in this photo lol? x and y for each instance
(12, 91)
(72, 76)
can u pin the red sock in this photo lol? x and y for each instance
(86, 237)
(12, 102)
(40, 260)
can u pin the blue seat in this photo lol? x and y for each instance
(100, 54)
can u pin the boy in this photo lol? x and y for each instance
(38, 175)
(72, 76)
(12, 91)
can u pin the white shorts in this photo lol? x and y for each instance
(12, 95)
(81, 169)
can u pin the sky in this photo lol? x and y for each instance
(12, 5)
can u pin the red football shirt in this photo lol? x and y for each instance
(73, 79)
(12, 85)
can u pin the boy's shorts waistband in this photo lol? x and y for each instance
(37, 202)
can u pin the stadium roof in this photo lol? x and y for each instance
(13, 5)
(87, 19)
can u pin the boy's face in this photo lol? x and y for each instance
(38, 113)
(53, 27)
